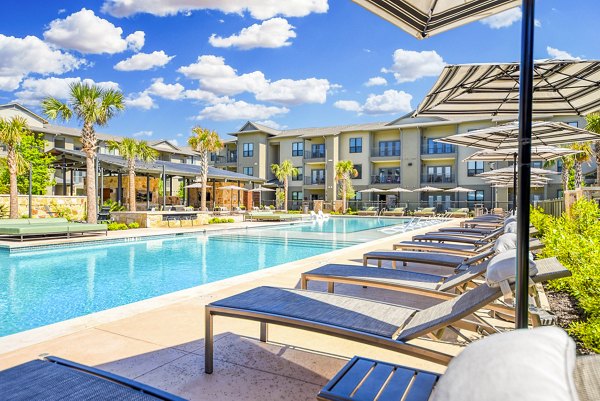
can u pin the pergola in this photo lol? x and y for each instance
(69, 161)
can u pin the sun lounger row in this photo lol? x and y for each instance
(21, 228)
(270, 216)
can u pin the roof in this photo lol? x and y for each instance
(309, 132)
(23, 109)
(117, 163)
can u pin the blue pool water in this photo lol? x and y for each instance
(47, 286)
(345, 225)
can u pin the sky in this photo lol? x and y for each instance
(285, 64)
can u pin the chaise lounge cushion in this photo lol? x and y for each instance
(525, 364)
(505, 242)
(502, 267)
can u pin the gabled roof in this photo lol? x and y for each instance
(308, 132)
(24, 109)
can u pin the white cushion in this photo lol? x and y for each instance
(504, 267)
(510, 220)
(527, 364)
(511, 227)
(505, 242)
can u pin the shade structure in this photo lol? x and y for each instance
(506, 136)
(424, 18)
(260, 190)
(372, 190)
(559, 87)
(538, 153)
(194, 185)
(427, 189)
(460, 189)
(398, 189)
(508, 171)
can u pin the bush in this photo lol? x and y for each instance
(219, 220)
(3, 211)
(575, 240)
(114, 206)
(133, 225)
(114, 226)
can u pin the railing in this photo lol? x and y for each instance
(427, 149)
(385, 179)
(438, 179)
(314, 155)
(385, 152)
(554, 207)
(225, 160)
(314, 180)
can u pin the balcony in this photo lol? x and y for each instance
(385, 154)
(438, 151)
(225, 160)
(314, 180)
(385, 179)
(315, 157)
(438, 179)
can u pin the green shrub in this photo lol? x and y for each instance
(3, 211)
(575, 240)
(219, 220)
(114, 226)
(114, 206)
(133, 225)
(61, 211)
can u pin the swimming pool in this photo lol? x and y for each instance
(344, 225)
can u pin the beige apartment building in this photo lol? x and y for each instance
(400, 153)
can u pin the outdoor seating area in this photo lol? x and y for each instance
(22, 229)
(271, 216)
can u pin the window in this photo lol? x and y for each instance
(298, 176)
(438, 174)
(189, 160)
(474, 197)
(560, 193)
(573, 123)
(355, 145)
(432, 147)
(213, 156)
(358, 168)
(318, 150)
(317, 176)
(248, 170)
(248, 150)
(559, 166)
(537, 164)
(389, 148)
(357, 196)
(298, 149)
(474, 168)
(59, 143)
(296, 195)
(390, 175)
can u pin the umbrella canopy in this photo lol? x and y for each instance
(373, 190)
(194, 185)
(398, 189)
(427, 189)
(508, 171)
(232, 188)
(538, 153)
(460, 189)
(262, 189)
(559, 87)
(506, 136)
(426, 18)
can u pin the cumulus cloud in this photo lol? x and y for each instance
(560, 54)
(239, 110)
(217, 77)
(390, 101)
(144, 61)
(146, 134)
(20, 57)
(140, 101)
(166, 91)
(272, 33)
(411, 65)
(87, 33)
(272, 124)
(34, 90)
(376, 81)
(258, 9)
(503, 19)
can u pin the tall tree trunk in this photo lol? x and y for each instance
(597, 153)
(14, 192)
(578, 174)
(344, 208)
(565, 179)
(132, 194)
(285, 193)
(204, 179)
(90, 189)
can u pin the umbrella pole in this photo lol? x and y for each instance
(514, 202)
(525, 120)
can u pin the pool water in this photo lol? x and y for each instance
(42, 287)
(345, 225)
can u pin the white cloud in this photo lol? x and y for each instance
(272, 33)
(288, 91)
(390, 101)
(239, 110)
(146, 134)
(34, 90)
(503, 19)
(144, 61)
(272, 124)
(166, 91)
(537, 23)
(87, 33)
(140, 101)
(20, 57)
(411, 65)
(560, 54)
(174, 142)
(258, 9)
(376, 81)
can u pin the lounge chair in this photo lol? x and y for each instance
(21, 228)
(499, 367)
(458, 213)
(270, 216)
(398, 211)
(53, 379)
(370, 211)
(438, 259)
(425, 212)
(370, 322)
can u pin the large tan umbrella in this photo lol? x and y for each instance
(538, 153)
(427, 189)
(194, 185)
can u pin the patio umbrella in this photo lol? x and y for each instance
(427, 189)
(372, 191)
(538, 153)
(457, 190)
(508, 171)
(232, 188)
(397, 191)
(194, 185)
(260, 190)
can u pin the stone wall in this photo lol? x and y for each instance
(155, 219)
(49, 206)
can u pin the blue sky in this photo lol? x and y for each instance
(289, 64)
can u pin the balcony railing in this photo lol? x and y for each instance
(385, 152)
(385, 179)
(314, 180)
(226, 159)
(438, 179)
(314, 155)
(439, 149)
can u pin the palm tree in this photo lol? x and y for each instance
(584, 155)
(132, 150)
(92, 105)
(11, 134)
(204, 141)
(593, 124)
(344, 171)
(282, 172)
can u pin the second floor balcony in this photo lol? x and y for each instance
(386, 152)
(385, 179)
(438, 179)
(314, 180)
(315, 155)
(220, 160)
(437, 148)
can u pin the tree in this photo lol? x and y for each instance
(282, 172)
(344, 172)
(584, 155)
(593, 124)
(91, 105)
(132, 150)
(32, 151)
(11, 134)
(204, 141)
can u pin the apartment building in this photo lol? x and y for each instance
(401, 153)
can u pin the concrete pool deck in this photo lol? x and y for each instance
(160, 341)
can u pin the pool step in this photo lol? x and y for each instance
(304, 242)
